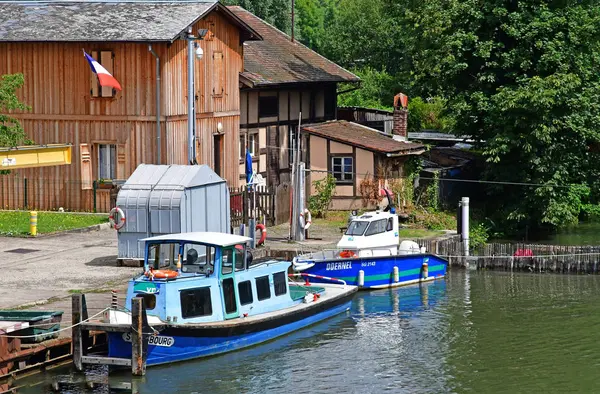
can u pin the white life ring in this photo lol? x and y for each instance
(117, 225)
(305, 224)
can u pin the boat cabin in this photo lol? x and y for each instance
(208, 277)
(371, 234)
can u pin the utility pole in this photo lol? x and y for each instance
(293, 13)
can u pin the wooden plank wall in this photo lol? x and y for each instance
(58, 90)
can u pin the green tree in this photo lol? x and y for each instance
(376, 90)
(11, 131)
(522, 78)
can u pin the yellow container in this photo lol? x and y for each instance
(33, 223)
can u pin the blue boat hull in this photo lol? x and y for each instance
(180, 343)
(379, 271)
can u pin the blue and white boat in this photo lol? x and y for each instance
(371, 256)
(204, 295)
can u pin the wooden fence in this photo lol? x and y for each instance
(257, 202)
(518, 256)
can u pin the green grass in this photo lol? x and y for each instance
(16, 223)
(418, 233)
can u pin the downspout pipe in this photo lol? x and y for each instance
(191, 100)
(157, 103)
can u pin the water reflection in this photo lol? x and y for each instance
(390, 339)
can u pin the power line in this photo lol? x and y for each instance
(458, 180)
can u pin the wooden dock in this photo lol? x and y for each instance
(18, 359)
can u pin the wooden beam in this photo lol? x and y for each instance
(94, 326)
(139, 337)
(106, 360)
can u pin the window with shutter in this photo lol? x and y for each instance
(86, 166)
(106, 59)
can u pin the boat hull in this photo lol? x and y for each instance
(378, 271)
(185, 342)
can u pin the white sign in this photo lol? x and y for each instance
(9, 161)
(154, 340)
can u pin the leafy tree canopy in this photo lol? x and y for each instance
(11, 132)
(522, 78)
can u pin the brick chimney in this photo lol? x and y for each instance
(400, 115)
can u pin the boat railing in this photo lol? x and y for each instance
(305, 275)
(328, 254)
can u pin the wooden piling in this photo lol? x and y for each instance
(139, 336)
(80, 337)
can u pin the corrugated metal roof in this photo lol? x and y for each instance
(277, 60)
(363, 137)
(100, 20)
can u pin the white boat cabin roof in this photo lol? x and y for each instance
(209, 238)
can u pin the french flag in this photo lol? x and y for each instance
(104, 76)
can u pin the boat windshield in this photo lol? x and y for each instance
(357, 227)
(196, 258)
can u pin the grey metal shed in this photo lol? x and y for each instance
(165, 199)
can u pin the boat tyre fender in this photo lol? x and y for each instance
(263, 233)
(117, 224)
(162, 274)
(346, 254)
(305, 219)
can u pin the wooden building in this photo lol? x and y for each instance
(281, 80)
(114, 131)
(351, 153)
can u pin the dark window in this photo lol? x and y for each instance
(195, 302)
(357, 227)
(342, 169)
(280, 282)
(227, 262)
(390, 224)
(268, 106)
(330, 103)
(229, 295)
(239, 259)
(245, 291)
(149, 300)
(263, 290)
(377, 227)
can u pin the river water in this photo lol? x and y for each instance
(472, 332)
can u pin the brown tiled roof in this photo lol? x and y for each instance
(278, 60)
(362, 137)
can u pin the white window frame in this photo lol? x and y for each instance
(342, 173)
(111, 165)
(252, 138)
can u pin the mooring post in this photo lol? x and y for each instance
(79, 337)
(465, 224)
(139, 337)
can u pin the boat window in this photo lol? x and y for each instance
(227, 262)
(263, 289)
(196, 302)
(245, 292)
(280, 281)
(239, 258)
(377, 227)
(163, 255)
(390, 224)
(149, 300)
(229, 295)
(198, 259)
(357, 227)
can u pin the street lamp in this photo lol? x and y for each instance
(191, 39)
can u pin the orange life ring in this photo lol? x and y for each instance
(263, 233)
(347, 254)
(111, 218)
(162, 274)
